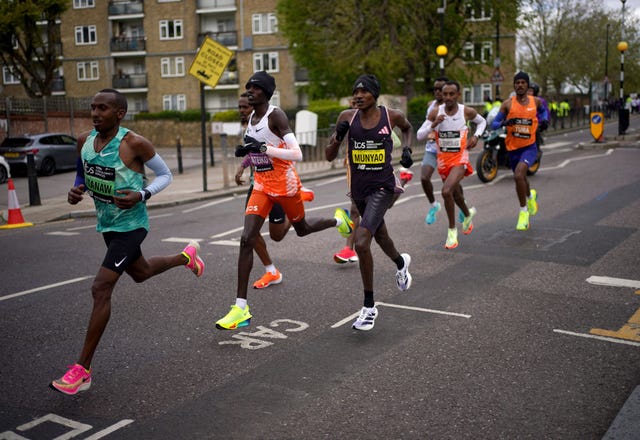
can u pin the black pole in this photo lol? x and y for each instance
(211, 158)
(203, 125)
(34, 191)
(179, 148)
(606, 65)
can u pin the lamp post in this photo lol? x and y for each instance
(442, 51)
(623, 113)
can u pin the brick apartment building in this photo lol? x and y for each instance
(144, 48)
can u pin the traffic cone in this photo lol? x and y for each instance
(15, 215)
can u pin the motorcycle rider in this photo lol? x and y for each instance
(520, 115)
(543, 124)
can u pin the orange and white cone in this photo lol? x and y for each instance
(15, 219)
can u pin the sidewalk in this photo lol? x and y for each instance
(189, 186)
(186, 187)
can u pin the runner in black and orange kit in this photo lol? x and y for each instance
(274, 149)
(520, 115)
(449, 123)
(373, 185)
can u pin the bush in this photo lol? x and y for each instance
(227, 116)
(327, 111)
(188, 115)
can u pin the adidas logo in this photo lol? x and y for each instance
(384, 130)
(360, 85)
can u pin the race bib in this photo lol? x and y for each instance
(522, 128)
(450, 141)
(100, 182)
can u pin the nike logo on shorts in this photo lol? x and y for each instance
(279, 219)
(117, 264)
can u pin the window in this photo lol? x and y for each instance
(88, 71)
(474, 95)
(266, 61)
(478, 52)
(477, 10)
(86, 35)
(172, 67)
(264, 23)
(8, 77)
(81, 4)
(275, 99)
(170, 29)
(174, 102)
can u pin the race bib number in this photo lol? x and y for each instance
(450, 141)
(100, 182)
(522, 128)
(261, 162)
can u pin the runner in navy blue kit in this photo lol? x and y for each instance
(373, 184)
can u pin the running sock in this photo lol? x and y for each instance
(241, 302)
(271, 268)
(524, 209)
(399, 262)
(368, 299)
(338, 221)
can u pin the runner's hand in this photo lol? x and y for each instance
(341, 130)
(406, 160)
(253, 145)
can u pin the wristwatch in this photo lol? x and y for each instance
(146, 195)
(263, 148)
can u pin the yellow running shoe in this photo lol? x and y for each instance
(532, 202)
(452, 239)
(236, 318)
(523, 221)
(346, 227)
(467, 224)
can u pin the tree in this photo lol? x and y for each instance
(396, 40)
(29, 41)
(565, 43)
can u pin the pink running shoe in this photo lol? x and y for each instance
(74, 380)
(307, 194)
(346, 255)
(195, 263)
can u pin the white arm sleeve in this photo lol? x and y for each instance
(292, 152)
(424, 130)
(163, 174)
(481, 124)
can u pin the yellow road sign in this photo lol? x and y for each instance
(210, 61)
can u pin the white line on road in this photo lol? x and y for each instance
(109, 430)
(181, 240)
(50, 286)
(62, 233)
(226, 243)
(601, 338)
(616, 282)
(398, 306)
(206, 205)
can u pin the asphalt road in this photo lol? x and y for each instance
(505, 337)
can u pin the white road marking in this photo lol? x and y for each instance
(601, 338)
(398, 306)
(49, 286)
(62, 233)
(206, 205)
(78, 428)
(109, 430)
(181, 239)
(616, 282)
(229, 232)
(234, 243)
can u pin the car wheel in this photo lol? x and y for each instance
(4, 175)
(48, 166)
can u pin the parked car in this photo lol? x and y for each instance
(4, 170)
(52, 151)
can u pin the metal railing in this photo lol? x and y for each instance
(126, 7)
(128, 44)
(129, 81)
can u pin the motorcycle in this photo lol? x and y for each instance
(494, 155)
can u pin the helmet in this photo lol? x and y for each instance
(535, 87)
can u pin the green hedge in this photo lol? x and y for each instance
(187, 115)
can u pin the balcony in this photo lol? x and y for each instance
(135, 44)
(229, 38)
(126, 7)
(130, 81)
(211, 5)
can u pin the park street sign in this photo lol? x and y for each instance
(210, 61)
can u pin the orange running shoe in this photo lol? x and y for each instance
(268, 279)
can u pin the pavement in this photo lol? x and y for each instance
(189, 186)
